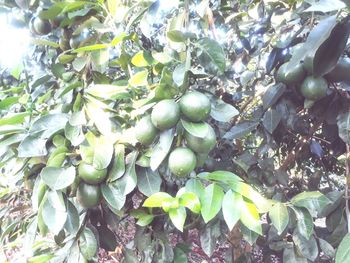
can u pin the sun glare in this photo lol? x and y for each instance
(14, 43)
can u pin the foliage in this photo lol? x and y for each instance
(267, 157)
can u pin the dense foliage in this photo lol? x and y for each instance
(230, 118)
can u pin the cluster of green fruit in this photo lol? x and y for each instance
(89, 192)
(312, 88)
(193, 107)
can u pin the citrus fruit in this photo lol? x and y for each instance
(41, 27)
(314, 88)
(88, 195)
(165, 114)
(90, 174)
(201, 145)
(195, 106)
(145, 131)
(182, 161)
(294, 76)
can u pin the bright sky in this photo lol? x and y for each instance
(14, 43)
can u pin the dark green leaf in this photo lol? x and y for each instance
(240, 130)
(58, 178)
(271, 120)
(305, 224)
(307, 247)
(222, 111)
(148, 181)
(88, 244)
(118, 166)
(162, 149)
(212, 54)
(313, 201)
(197, 129)
(113, 195)
(343, 122)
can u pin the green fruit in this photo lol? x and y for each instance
(41, 27)
(294, 76)
(74, 42)
(90, 174)
(64, 43)
(145, 131)
(341, 71)
(195, 106)
(314, 88)
(182, 161)
(165, 114)
(202, 145)
(88, 195)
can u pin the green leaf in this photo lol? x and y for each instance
(178, 217)
(343, 251)
(176, 36)
(107, 91)
(249, 192)
(8, 102)
(326, 6)
(209, 236)
(191, 201)
(197, 129)
(315, 202)
(211, 201)
(161, 150)
(250, 217)
(91, 48)
(279, 217)
(142, 59)
(148, 181)
(307, 247)
(139, 79)
(54, 212)
(113, 195)
(118, 166)
(32, 146)
(223, 112)
(103, 152)
(212, 55)
(343, 122)
(221, 176)
(49, 124)
(305, 224)
(271, 120)
(290, 256)
(195, 186)
(40, 259)
(240, 130)
(230, 208)
(157, 200)
(129, 180)
(144, 219)
(315, 39)
(88, 244)
(328, 54)
(72, 222)
(272, 94)
(58, 178)
(14, 118)
(326, 248)
(248, 235)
